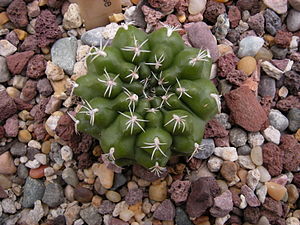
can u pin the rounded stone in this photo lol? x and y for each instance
(293, 20)
(7, 165)
(295, 4)
(256, 156)
(113, 196)
(278, 120)
(244, 150)
(293, 193)
(70, 177)
(158, 191)
(264, 54)
(33, 190)
(83, 195)
(292, 221)
(24, 136)
(54, 195)
(255, 139)
(196, 6)
(247, 65)
(237, 137)
(264, 174)
(229, 170)
(106, 176)
(276, 191)
(294, 119)
(249, 46)
(272, 134)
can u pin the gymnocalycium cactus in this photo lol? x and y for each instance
(146, 97)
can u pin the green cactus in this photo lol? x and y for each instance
(146, 97)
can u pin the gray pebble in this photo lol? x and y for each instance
(222, 118)
(55, 154)
(33, 190)
(278, 120)
(18, 149)
(237, 137)
(4, 73)
(267, 86)
(22, 171)
(93, 37)
(4, 3)
(70, 177)
(294, 119)
(250, 45)
(54, 195)
(208, 146)
(63, 54)
(244, 150)
(279, 53)
(293, 20)
(91, 216)
(181, 217)
(273, 21)
(119, 181)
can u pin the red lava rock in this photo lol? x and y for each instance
(29, 90)
(171, 20)
(44, 87)
(215, 129)
(38, 111)
(22, 105)
(233, 36)
(222, 204)
(134, 196)
(147, 175)
(280, 63)
(165, 211)
(226, 64)
(47, 30)
(17, 13)
(106, 207)
(18, 61)
(7, 106)
(36, 66)
(252, 5)
(234, 16)
(250, 196)
(222, 141)
(151, 16)
(115, 221)
(39, 131)
(272, 158)
(283, 38)
(288, 103)
(38, 172)
(201, 197)
(2, 132)
(11, 126)
(30, 44)
(66, 128)
(292, 82)
(213, 10)
(272, 209)
(257, 23)
(295, 56)
(251, 215)
(179, 190)
(163, 5)
(236, 77)
(182, 6)
(83, 195)
(267, 102)
(290, 146)
(296, 67)
(245, 109)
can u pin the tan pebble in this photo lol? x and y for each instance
(242, 174)
(24, 136)
(21, 34)
(276, 191)
(247, 65)
(69, 193)
(132, 185)
(158, 191)
(96, 201)
(135, 1)
(143, 183)
(283, 92)
(46, 147)
(296, 213)
(269, 39)
(256, 155)
(5, 182)
(113, 196)
(167, 222)
(263, 54)
(224, 49)
(181, 18)
(13, 92)
(116, 17)
(3, 18)
(7, 165)
(89, 172)
(43, 2)
(105, 175)
(136, 208)
(297, 135)
(60, 88)
(126, 215)
(45, 50)
(97, 151)
(293, 193)
(25, 115)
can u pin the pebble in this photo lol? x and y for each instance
(8, 206)
(272, 134)
(208, 147)
(226, 153)
(256, 155)
(105, 175)
(24, 136)
(126, 215)
(5, 183)
(33, 190)
(119, 181)
(278, 53)
(63, 54)
(229, 170)
(261, 193)
(33, 164)
(244, 150)
(83, 194)
(237, 137)
(66, 153)
(255, 139)
(7, 165)
(5, 3)
(6, 48)
(93, 37)
(181, 217)
(165, 211)
(158, 191)
(267, 86)
(263, 54)
(113, 196)
(54, 72)
(278, 120)
(91, 216)
(196, 6)
(38, 172)
(247, 65)
(70, 177)
(253, 178)
(293, 20)
(4, 73)
(250, 197)
(271, 70)
(72, 18)
(273, 22)
(263, 221)
(294, 119)
(34, 144)
(295, 4)
(292, 221)
(276, 191)
(221, 27)
(279, 6)
(54, 195)
(214, 164)
(18, 149)
(293, 194)
(46, 147)
(246, 162)
(249, 46)
(223, 118)
(42, 158)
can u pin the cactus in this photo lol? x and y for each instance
(146, 97)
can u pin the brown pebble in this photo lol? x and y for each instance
(276, 191)
(247, 65)
(3, 18)
(38, 172)
(7, 165)
(83, 195)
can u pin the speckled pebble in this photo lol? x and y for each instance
(237, 137)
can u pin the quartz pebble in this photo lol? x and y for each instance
(253, 178)
(6, 48)
(237, 137)
(226, 153)
(214, 164)
(293, 20)
(279, 6)
(276, 191)
(261, 193)
(292, 221)
(272, 134)
(255, 139)
(66, 153)
(72, 18)
(246, 162)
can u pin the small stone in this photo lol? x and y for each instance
(293, 194)
(253, 178)
(279, 53)
(113, 196)
(246, 162)
(63, 53)
(273, 21)
(292, 82)
(234, 15)
(294, 119)
(261, 193)
(290, 147)
(105, 175)
(222, 204)
(33, 9)
(257, 23)
(263, 54)
(238, 137)
(91, 216)
(54, 195)
(165, 211)
(244, 150)
(37, 172)
(255, 139)
(33, 191)
(278, 120)
(276, 191)
(93, 37)
(36, 67)
(229, 171)
(264, 174)
(214, 164)
(17, 13)
(107, 207)
(4, 73)
(293, 19)
(8, 206)
(226, 153)
(249, 46)
(72, 18)
(6, 48)
(196, 6)
(17, 62)
(267, 86)
(208, 146)
(54, 72)
(126, 214)
(82, 194)
(70, 177)
(134, 196)
(158, 191)
(272, 156)
(24, 136)
(272, 134)
(256, 156)
(33, 164)
(213, 10)
(181, 218)
(279, 6)
(247, 65)
(11, 126)
(7, 165)
(251, 198)
(5, 184)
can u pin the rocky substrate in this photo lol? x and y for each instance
(249, 169)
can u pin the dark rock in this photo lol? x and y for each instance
(272, 158)
(30, 44)
(215, 129)
(222, 141)
(11, 126)
(147, 175)
(2, 132)
(134, 196)
(33, 190)
(85, 160)
(229, 170)
(279, 53)
(44, 87)
(18, 149)
(290, 146)
(294, 119)
(272, 209)
(288, 103)
(7, 106)
(273, 22)
(257, 23)
(226, 64)
(119, 181)
(106, 207)
(31, 152)
(296, 179)
(22, 105)
(59, 220)
(22, 172)
(91, 216)
(244, 150)
(267, 86)
(38, 111)
(151, 16)
(251, 5)
(17, 62)
(283, 38)
(179, 190)
(5, 3)
(56, 4)
(47, 30)
(3, 193)
(250, 196)
(36, 67)
(165, 211)
(164, 6)
(213, 10)
(292, 82)
(296, 67)
(181, 218)
(234, 16)
(233, 36)
(54, 195)
(235, 197)
(251, 215)
(17, 13)
(222, 205)
(29, 90)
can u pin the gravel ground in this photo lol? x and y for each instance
(249, 170)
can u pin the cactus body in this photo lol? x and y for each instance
(146, 97)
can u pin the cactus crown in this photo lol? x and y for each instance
(146, 97)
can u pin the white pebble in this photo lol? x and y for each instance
(292, 221)
(243, 203)
(246, 162)
(214, 164)
(33, 164)
(272, 134)
(262, 193)
(42, 158)
(196, 6)
(255, 139)
(222, 220)
(6, 48)
(66, 153)
(34, 144)
(226, 153)
(264, 174)
(49, 171)
(23, 159)
(78, 222)
(253, 178)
